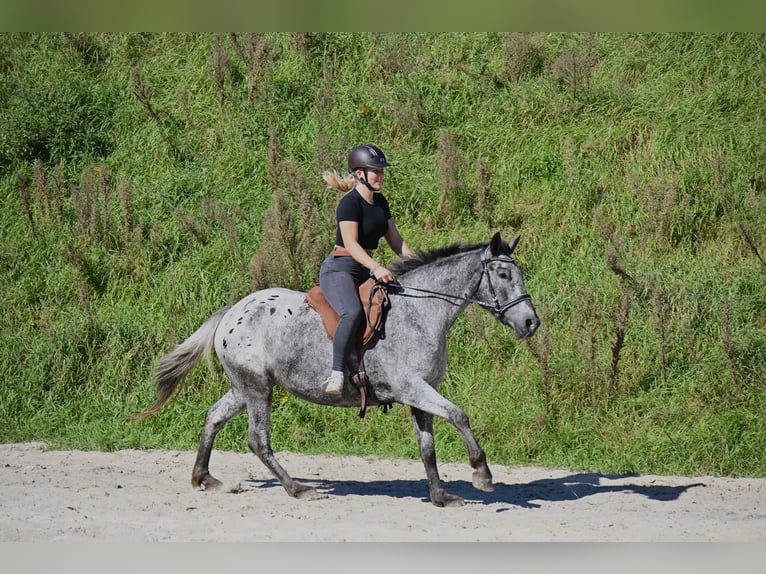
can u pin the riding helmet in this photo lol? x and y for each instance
(366, 155)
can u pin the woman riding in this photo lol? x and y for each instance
(363, 217)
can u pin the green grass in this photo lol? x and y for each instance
(631, 164)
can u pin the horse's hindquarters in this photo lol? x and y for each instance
(274, 337)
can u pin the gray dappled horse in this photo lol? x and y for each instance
(272, 337)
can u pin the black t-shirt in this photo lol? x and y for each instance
(372, 219)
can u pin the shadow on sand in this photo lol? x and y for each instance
(524, 495)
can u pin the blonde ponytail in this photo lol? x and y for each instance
(334, 181)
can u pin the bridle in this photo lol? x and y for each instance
(498, 308)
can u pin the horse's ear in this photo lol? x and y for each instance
(513, 245)
(496, 244)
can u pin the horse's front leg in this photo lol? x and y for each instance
(423, 423)
(425, 398)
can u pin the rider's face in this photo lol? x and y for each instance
(374, 177)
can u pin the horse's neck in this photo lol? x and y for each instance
(457, 279)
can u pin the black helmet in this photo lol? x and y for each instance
(366, 155)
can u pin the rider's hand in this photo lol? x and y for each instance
(382, 274)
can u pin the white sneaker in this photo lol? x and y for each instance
(334, 383)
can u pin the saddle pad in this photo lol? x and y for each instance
(375, 303)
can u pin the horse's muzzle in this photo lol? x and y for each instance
(531, 325)
(524, 326)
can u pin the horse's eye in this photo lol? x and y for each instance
(503, 274)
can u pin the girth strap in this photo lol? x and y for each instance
(362, 382)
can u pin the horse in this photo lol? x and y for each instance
(272, 337)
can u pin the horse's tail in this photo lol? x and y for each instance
(173, 367)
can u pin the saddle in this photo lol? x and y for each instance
(375, 302)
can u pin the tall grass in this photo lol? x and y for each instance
(148, 179)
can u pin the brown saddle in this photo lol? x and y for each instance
(375, 302)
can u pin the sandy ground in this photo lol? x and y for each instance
(145, 496)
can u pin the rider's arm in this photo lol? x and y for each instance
(396, 241)
(349, 233)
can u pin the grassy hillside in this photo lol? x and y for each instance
(148, 179)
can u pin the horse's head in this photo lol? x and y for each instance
(502, 288)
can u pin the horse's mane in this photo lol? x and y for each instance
(405, 264)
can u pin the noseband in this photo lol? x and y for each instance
(495, 305)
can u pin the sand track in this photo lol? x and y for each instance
(146, 496)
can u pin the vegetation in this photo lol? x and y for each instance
(148, 179)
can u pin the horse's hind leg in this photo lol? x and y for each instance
(259, 440)
(423, 423)
(217, 416)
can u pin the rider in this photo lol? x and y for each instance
(363, 217)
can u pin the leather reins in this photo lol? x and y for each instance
(495, 305)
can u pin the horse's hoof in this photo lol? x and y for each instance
(482, 482)
(207, 483)
(304, 492)
(446, 500)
